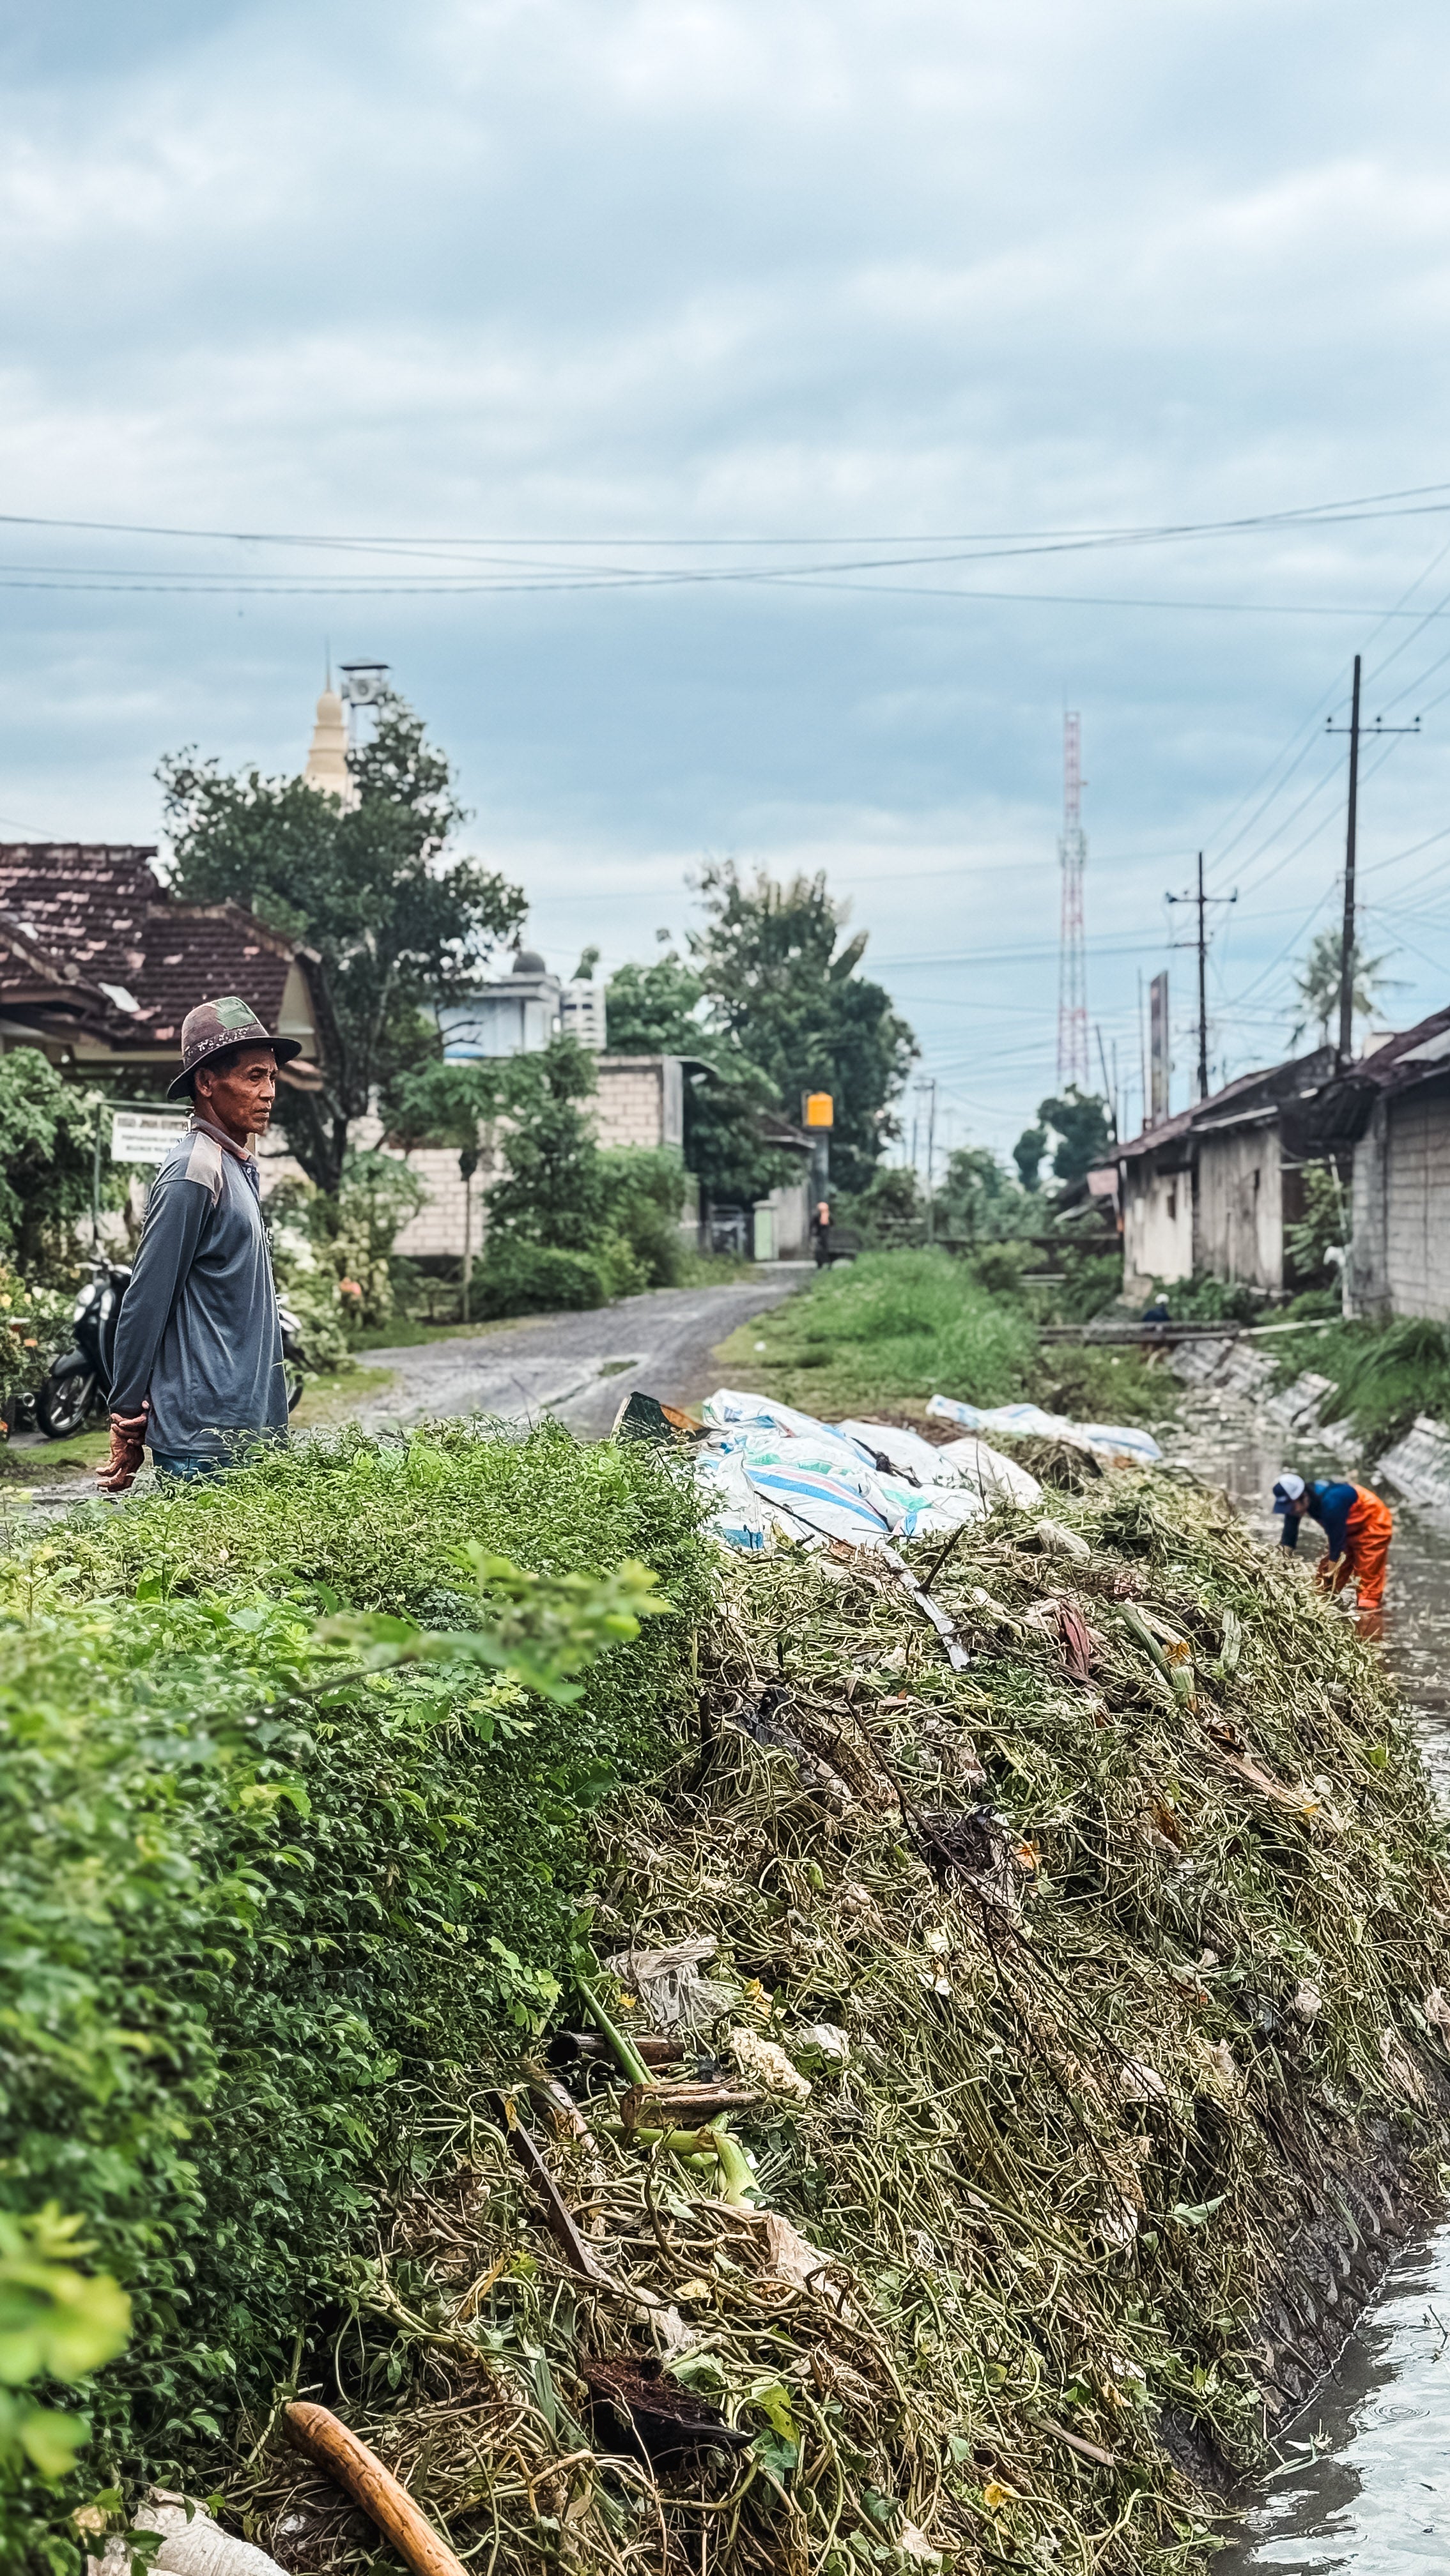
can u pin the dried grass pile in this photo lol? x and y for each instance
(1090, 2003)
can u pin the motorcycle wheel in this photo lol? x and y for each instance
(63, 1405)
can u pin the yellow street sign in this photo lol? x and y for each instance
(820, 1109)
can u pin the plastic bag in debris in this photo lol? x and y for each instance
(191, 2543)
(931, 1511)
(960, 1462)
(1114, 1439)
(833, 1506)
(669, 1985)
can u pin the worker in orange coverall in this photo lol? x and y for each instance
(1357, 1530)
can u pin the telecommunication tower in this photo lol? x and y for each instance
(1072, 1018)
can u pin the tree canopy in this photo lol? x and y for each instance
(397, 925)
(47, 1148)
(1082, 1125)
(772, 999)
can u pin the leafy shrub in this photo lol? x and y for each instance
(644, 1193)
(334, 1248)
(35, 1327)
(252, 1914)
(519, 1278)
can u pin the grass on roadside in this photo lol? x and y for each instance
(897, 1327)
(1383, 1374)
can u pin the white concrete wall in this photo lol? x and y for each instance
(1240, 1230)
(1400, 1250)
(1157, 1222)
(790, 1208)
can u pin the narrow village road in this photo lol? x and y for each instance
(577, 1367)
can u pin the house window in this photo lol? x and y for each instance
(1173, 1205)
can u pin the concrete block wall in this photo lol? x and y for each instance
(640, 1100)
(1417, 1207)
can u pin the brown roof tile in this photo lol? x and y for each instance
(76, 916)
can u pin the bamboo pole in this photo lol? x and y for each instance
(362, 2475)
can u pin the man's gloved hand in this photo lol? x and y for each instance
(128, 1451)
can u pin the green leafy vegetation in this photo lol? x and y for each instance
(57, 2325)
(1383, 1374)
(293, 1806)
(47, 1162)
(1318, 980)
(773, 1000)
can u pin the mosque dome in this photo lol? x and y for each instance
(527, 961)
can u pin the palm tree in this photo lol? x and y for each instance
(1317, 985)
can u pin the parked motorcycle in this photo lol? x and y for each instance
(79, 1383)
(295, 1362)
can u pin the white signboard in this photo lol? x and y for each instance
(139, 1137)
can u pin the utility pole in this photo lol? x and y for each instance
(1072, 1017)
(1201, 943)
(1110, 1088)
(925, 1089)
(1347, 935)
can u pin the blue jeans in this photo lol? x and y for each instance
(174, 1462)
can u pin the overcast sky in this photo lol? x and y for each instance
(695, 378)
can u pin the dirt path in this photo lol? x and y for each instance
(576, 1366)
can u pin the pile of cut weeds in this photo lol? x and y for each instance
(1112, 1964)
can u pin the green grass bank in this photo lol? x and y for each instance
(893, 1328)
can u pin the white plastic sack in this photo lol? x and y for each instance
(905, 1450)
(737, 1514)
(929, 1511)
(832, 1506)
(988, 1473)
(729, 1410)
(1113, 1438)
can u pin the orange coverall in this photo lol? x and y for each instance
(1365, 1557)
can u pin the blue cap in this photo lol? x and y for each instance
(1287, 1492)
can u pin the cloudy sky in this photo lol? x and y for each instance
(710, 398)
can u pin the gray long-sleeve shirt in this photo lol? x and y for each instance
(198, 1332)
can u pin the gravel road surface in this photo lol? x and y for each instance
(577, 1367)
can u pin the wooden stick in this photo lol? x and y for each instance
(362, 2475)
(558, 2217)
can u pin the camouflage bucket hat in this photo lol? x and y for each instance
(213, 1027)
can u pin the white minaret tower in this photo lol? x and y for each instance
(327, 768)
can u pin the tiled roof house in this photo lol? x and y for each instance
(99, 965)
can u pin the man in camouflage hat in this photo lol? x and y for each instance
(198, 1369)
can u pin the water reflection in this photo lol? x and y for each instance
(1376, 2498)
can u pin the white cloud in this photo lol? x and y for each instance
(616, 268)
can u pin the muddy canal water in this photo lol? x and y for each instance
(1366, 2485)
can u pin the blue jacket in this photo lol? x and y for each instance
(1330, 1504)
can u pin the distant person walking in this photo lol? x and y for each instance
(198, 1369)
(1357, 1530)
(821, 1229)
